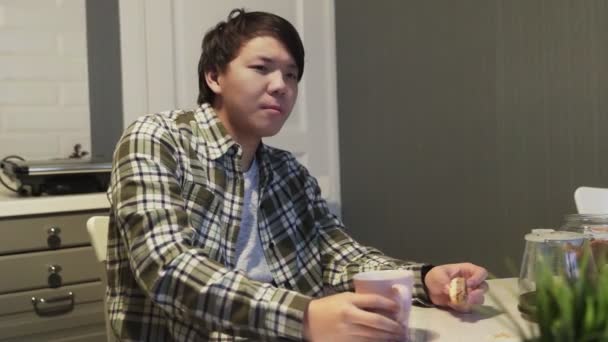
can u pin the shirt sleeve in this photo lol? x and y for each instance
(180, 279)
(342, 257)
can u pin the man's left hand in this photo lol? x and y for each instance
(438, 280)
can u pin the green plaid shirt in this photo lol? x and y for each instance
(177, 196)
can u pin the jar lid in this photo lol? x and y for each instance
(542, 235)
(596, 231)
(587, 218)
(598, 235)
(542, 230)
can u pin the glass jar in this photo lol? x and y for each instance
(559, 253)
(595, 228)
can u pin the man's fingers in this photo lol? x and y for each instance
(375, 302)
(478, 276)
(476, 297)
(483, 287)
(375, 321)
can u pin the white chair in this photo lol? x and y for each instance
(591, 200)
(97, 227)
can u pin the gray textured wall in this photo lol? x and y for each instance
(464, 124)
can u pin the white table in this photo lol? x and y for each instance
(431, 324)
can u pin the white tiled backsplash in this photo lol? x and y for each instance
(44, 97)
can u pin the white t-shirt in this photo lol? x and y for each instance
(249, 253)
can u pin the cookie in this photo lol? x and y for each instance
(458, 291)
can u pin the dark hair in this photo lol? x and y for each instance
(222, 43)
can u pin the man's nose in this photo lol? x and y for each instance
(277, 82)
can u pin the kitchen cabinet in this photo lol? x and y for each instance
(50, 287)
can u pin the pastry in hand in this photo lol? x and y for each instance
(458, 291)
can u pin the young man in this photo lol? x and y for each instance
(215, 236)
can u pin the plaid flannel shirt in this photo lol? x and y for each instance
(176, 196)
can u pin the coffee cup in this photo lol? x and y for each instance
(394, 284)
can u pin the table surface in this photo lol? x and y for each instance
(493, 323)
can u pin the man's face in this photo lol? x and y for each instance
(257, 91)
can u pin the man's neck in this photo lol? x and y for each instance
(248, 144)
(248, 156)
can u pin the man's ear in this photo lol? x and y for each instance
(212, 79)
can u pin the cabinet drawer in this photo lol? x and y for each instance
(28, 233)
(18, 326)
(30, 271)
(51, 301)
(89, 333)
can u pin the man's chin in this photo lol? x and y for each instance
(270, 130)
(270, 133)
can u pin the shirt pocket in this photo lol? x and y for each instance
(205, 214)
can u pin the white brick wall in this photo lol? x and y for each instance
(44, 97)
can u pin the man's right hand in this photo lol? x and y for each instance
(347, 317)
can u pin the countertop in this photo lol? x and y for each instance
(495, 323)
(13, 205)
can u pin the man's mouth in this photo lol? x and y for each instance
(273, 107)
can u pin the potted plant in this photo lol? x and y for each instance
(570, 309)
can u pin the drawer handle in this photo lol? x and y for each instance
(53, 239)
(53, 310)
(54, 278)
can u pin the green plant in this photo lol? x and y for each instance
(572, 309)
(568, 309)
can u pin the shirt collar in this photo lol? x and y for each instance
(219, 141)
(213, 132)
(265, 165)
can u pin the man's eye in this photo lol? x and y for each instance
(292, 76)
(261, 68)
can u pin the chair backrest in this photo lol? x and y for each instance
(97, 226)
(591, 200)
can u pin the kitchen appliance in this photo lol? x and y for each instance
(59, 176)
